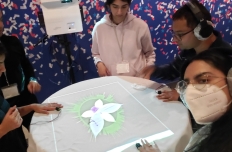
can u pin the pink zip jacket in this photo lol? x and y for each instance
(129, 41)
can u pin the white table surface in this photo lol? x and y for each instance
(144, 116)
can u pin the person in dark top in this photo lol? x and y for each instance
(19, 71)
(206, 90)
(12, 138)
(193, 32)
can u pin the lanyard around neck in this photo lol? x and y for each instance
(119, 45)
(6, 79)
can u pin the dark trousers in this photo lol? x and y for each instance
(13, 141)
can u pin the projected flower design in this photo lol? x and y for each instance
(98, 113)
(91, 106)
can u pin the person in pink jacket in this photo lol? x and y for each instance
(122, 43)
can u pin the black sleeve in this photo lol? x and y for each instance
(172, 70)
(24, 61)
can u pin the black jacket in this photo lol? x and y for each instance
(18, 70)
(16, 63)
(172, 70)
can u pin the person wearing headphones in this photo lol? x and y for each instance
(193, 32)
(206, 90)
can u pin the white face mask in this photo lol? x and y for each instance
(207, 104)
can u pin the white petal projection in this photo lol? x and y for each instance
(110, 108)
(107, 117)
(96, 124)
(99, 103)
(88, 114)
(99, 113)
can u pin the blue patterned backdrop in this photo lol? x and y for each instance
(49, 59)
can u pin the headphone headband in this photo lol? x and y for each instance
(196, 11)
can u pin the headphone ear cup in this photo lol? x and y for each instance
(206, 29)
(197, 32)
(203, 30)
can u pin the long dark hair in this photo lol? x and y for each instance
(219, 134)
(220, 58)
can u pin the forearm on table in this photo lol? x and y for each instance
(24, 110)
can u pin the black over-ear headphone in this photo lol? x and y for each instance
(204, 28)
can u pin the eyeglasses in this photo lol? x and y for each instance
(199, 84)
(179, 36)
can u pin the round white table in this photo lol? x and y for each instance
(110, 114)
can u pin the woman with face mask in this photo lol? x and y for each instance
(206, 90)
(122, 42)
